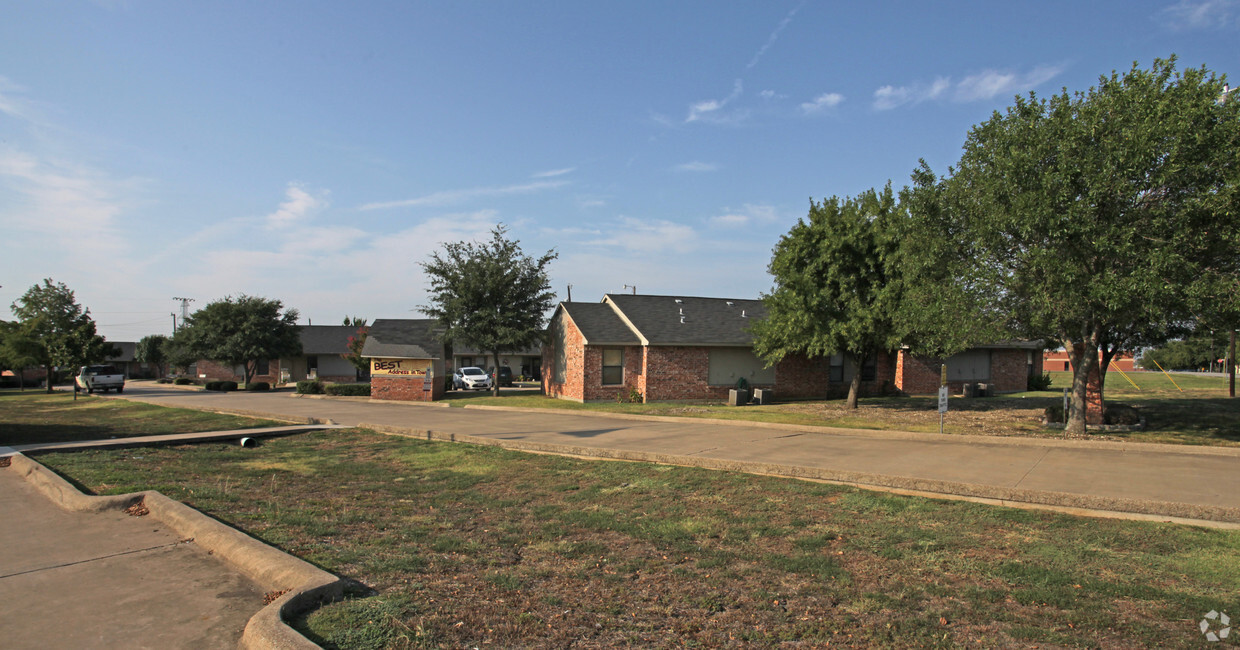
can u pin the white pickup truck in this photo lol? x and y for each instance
(104, 378)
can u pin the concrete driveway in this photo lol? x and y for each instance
(1125, 479)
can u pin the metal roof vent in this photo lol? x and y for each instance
(682, 319)
(730, 303)
(678, 301)
(682, 311)
(743, 314)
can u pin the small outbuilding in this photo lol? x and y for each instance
(407, 359)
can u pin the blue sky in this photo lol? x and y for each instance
(316, 152)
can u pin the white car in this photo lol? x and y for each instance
(471, 378)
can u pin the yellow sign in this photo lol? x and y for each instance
(405, 367)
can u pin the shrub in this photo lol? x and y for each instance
(1040, 382)
(1122, 414)
(348, 390)
(310, 387)
(258, 385)
(1054, 414)
(183, 381)
(163, 380)
(214, 385)
(228, 385)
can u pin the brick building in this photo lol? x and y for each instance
(408, 360)
(321, 350)
(1058, 360)
(668, 348)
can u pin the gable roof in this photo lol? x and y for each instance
(599, 323)
(326, 339)
(657, 320)
(404, 338)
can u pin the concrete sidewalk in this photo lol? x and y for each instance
(110, 580)
(1151, 481)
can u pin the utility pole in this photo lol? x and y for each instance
(1231, 366)
(174, 323)
(184, 311)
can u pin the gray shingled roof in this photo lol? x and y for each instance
(404, 338)
(599, 323)
(326, 339)
(707, 321)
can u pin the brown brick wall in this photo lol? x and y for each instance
(564, 346)
(1009, 372)
(215, 371)
(799, 377)
(408, 389)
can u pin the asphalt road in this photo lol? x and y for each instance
(1162, 481)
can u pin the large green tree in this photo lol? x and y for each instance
(17, 352)
(835, 287)
(152, 349)
(490, 295)
(56, 331)
(1093, 218)
(241, 332)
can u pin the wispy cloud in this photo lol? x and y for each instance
(1200, 14)
(984, 85)
(889, 97)
(696, 166)
(298, 204)
(13, 101)
(991, 83)
(822, 103)
(73, 205)
(449, 197)
(773, 37)
(749, 214)
(652, 236)
(708, 110)
(554, 172)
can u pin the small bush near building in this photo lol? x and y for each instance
(229, 385)
(1040, 382)
(349, 390)
(163, 380)
(310, 387)
(183, 381)
(258, 385)
(1122, 414)
(213, 385)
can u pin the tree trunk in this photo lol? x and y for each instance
(1108, 354)
(495, 377)
(1084, 360)
(249, 368)
(48, 381)
(854, 387)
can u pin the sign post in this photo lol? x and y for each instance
(942, 395)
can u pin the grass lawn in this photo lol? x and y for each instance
(33, 416)
(1200, 415)
(467, 546)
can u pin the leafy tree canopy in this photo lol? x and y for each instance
(490, 295)
(55, 331)
(152, 349)
(835, 287)
(1095, 217)
(241, 331)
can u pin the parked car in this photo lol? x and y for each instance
(104, 378)
(471, 378)
(504, 378)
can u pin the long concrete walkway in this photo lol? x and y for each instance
(1130, 479)
(110, 580)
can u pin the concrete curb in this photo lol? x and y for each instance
(893, 434)
(1111, 507)
(303, 585)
